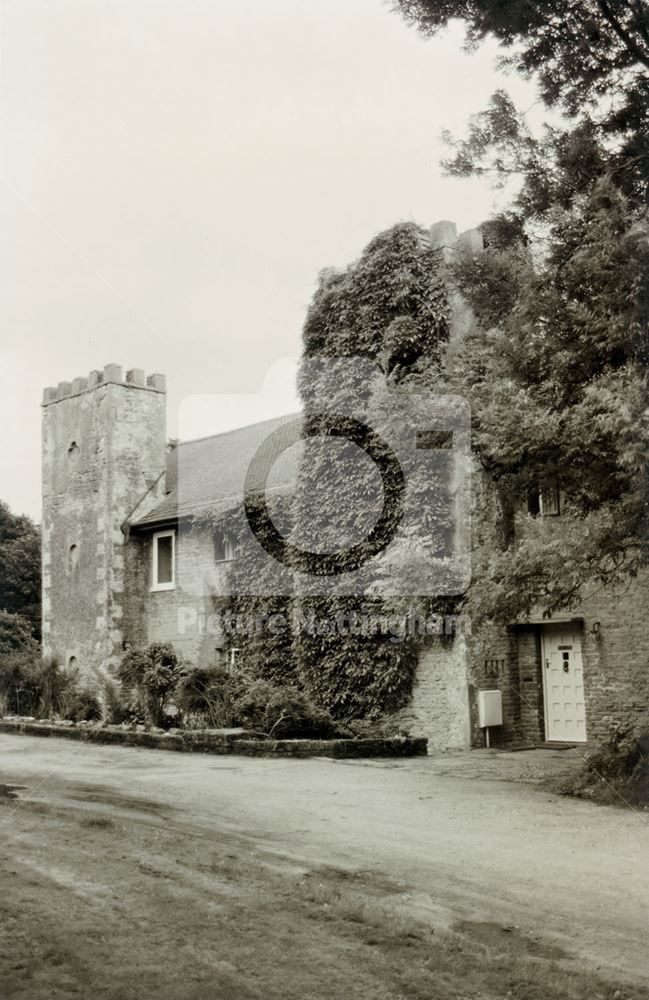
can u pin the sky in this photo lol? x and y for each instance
(175, 173)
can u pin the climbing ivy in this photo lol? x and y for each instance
(390, 307)
(349, 653)
(257, 625)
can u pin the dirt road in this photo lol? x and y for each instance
(512, 872)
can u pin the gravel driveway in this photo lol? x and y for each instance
(468, 838)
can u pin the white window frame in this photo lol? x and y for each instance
(553, 492)
(228, 543)
(154, 561)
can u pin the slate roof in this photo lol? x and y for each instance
(209, 473)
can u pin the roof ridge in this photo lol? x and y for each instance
(234, 430)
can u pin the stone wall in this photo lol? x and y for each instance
(614, 634)
(527, 644)
(615, 650)
(439, 707)
(494, 664)
(184, 615)
(219, 742)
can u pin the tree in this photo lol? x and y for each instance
(577, 50)
(20, 568)
(556, 366)
(16, 635)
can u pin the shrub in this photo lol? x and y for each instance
(374, 729)
(84, 707)
(148, 678)
(20, 690)
(133, 667)
(616, 771)
(209, 693)
(282, 712)
(116, 707)
(250, 707)
(58, 688)
(30, 685)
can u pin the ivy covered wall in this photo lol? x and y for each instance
(354, 653)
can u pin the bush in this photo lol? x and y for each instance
(373, 729)
(208, 693)
(59, 688)
(30, 685)
(282, 712)
(84, 707)
(617, 771)
(20, 690)
(115, 707)
(148, 678)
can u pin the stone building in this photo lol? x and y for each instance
(127, 561)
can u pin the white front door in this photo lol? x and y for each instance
(563, 684)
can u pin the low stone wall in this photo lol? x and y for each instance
(207, 741)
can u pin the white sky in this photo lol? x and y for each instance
(176, 172)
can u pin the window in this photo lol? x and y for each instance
(226, 658)
(543, 500)
(163, 560)
(550, 501)
(224, 546)
(73, 558)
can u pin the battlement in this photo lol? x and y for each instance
(111, 374)
(444, 236)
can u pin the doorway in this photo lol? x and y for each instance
(563, 684)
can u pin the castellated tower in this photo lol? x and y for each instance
(104, 441)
